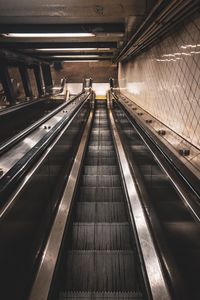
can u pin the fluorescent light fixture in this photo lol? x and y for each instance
(47, 35)
(81, 60)
(74, 56)
(72, 49)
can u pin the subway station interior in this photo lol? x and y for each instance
(100, 150)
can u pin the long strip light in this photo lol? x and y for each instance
(73, 49)
(74, 56)
(92, 60)
(47, 35)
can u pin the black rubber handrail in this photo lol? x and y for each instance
(10, 142)
(8, 181)
(12, 108)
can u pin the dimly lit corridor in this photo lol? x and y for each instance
(99, 150)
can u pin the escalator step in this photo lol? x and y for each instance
(101, 180)
(100, 212)
(160, 180)
(101, 236)
(101, 170)
(101, 161)
(101, 194)
(102, 143)
(103, 135)
(100, 296)
(101, 126)
(100, 261)
(101, 271)
(100, 148)
(101, 115)
(101, 121)
(100, 153)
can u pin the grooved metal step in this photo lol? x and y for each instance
(100, 148)
(101, 194)
(101, 161)
(100, 296)
(101, 126)
(102, 143)
(101, 180)
(100, 154)
(101, 271)
(100, 212)
(101, 262)
(101, 236)
(101, 170)
(132, 135)
(103, 135)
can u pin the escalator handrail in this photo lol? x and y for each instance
(12, 141)
(171, 273)
(18, 106)
(156, 281)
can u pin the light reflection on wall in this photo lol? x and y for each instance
(165, 80)
(135, 88)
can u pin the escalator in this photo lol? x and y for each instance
(102, 216)
(101, 260)
(174, 223)
(81, 229)
(26, 216)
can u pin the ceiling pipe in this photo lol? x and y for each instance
(164, 16)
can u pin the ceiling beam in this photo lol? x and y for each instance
(63, 28)
(14, 58)
(25, 45)
(52, 59)
(49, 54)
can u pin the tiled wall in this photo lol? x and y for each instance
(165, 80)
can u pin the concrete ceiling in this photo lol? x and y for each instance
(70, 11)
(109, 21)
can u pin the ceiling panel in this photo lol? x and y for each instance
(68, 11)
(107, 21)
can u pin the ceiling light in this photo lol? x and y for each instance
(47, 35)
(73, 49)
(80, 61)
(74, 56)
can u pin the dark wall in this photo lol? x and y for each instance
(75, 72)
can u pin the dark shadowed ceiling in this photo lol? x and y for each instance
(69, 29)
